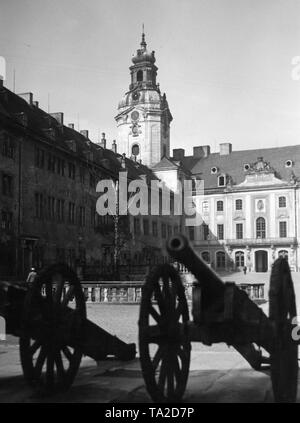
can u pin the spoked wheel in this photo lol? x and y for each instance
(284, 357)
(52, 330)
(163, 341)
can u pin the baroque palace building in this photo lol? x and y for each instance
(250, 211)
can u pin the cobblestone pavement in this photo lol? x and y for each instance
(217, 373)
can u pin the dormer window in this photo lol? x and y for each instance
(246, 167)
(222, 181)
(214, 170)
(289, 163)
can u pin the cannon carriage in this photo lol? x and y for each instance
(54, 333)
(221, 313)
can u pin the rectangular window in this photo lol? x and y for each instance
(39, 205)
(51, 163)
(39, 158)
(163, 230)
(82, 175)
(282, 202)
(282, 229)
(93, 216)
(220, 231)
(239, 204)
(8, 147)
(154, 229)
(81, 216)
(92, 181)
(51, 207)
(71, 170)
(239, 231)
(146, 226)
(6, 220)
(60, 206)
(191, 231)
(137, 226)
(220, 206)
(169, 231)
(205, 207)
(71, 213)
(205, 232)
(7, 185)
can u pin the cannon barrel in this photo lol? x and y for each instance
(213, 297)
(213, 287)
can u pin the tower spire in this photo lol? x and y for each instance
(143, 43)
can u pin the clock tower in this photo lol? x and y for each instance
(144, 118)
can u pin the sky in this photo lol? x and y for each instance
(225, 65)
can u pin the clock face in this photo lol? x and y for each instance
(135, 115)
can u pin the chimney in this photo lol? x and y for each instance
(103, 140)
(71, 126)
(85, 133)
(35, 103)
(201, 151)
(225, 148)
(28, 97)
(178, 153)
(114, 146)
(59, 117)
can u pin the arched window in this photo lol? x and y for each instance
(220, 206)
(139, 76)
(282, 202)
(135, 150)
(239, 204)
(206, 256)
(220, 260)
(284, 254)
(239, 259)
(260, 228)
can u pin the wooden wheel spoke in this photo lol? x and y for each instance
(68, 296)
(59, 365)
(50, 370)
(170, 376)
(162, 375)
(177, 371)
(159, 298)
(156, 316)
(40, 362)
(67, 353)
(158, 356)
(34, 347)
(58, 282)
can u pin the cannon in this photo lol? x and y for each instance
(54, 333)
(221, 312)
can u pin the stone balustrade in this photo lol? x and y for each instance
(117, 292)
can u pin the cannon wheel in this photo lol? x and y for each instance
(163, 302)
(282, 310)
(49, 362)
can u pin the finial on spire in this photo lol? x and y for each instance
(143, 43)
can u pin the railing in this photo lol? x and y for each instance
(261, 241)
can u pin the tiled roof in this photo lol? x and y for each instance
(233, 164)
(38, 123)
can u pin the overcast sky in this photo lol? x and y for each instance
(225, 65)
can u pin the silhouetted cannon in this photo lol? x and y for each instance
(50, 320)
(222, 312)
